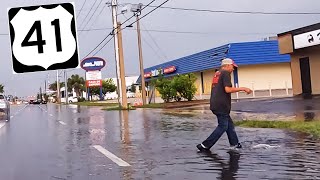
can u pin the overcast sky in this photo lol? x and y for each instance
(205, 30)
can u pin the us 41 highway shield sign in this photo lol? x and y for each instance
(43, 37)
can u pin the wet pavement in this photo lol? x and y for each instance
(58, 142)
(288, 108)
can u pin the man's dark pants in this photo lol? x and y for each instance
(225, 124)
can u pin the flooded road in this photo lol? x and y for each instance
(60, 142)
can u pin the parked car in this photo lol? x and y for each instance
(111, 95)
(71, 99)
(114, 95)
(131, 94)
(4, 107)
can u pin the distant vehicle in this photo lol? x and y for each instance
(114, 95)
(31, 101)
(38, 101)
(111, 95)
(130, 94)
(71, 99)
(5, 107)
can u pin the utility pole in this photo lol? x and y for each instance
(58, 88)
(66, 87)
(121, 100)
(143, 85)
(122, 70)
(40, 95)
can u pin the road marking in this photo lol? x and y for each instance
(2, 125)
(111, 156)
(50, 114)
(19, 111)
(42, 108)
(63, 123)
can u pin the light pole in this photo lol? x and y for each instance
(136, 9)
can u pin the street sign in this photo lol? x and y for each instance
(93, 64)
(94, 83)
(43, 37)
(93, 75)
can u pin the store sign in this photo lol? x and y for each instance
(93, 75)
(157, 72)
(308, 39)
(93, 64)
(94, 83)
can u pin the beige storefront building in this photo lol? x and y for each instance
(303, 46)
(261, 67)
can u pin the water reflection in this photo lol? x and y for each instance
(309, 115)
(126, 142)
(228, 169)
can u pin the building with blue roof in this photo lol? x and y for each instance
(260, 66)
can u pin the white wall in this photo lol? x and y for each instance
(261, 76)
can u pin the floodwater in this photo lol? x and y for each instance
(56, 142)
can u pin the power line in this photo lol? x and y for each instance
(98, 15)
(98, 45)
(82, 8)
(164, 55)
(103, 46)
(93, 14)
(149, 4)
(112, 32)
(88, 12)
(240, 12)
(186, 32)
(155, 52)
(155, 42)
(134, 22)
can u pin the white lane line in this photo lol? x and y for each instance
(63, 123)
(50, 114)
(2, 125)
(111, 156)
(17, 112)
(42, 108)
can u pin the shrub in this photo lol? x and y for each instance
(184, 85)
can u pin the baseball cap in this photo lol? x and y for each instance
(228, 61)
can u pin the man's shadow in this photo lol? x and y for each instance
(228, 170)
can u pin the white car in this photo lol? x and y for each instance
(111, 95)
(114, 95)
(4, 107)
(130, 94)
(71, 99)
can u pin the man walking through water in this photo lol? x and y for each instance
(220, 105)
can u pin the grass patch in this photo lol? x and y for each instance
(93, 103)
(117, 108)
(310, 127)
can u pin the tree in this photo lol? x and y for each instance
(107, 86)
(76, 82)
(1, 88)
(53, 86)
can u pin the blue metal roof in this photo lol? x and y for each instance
(261, 52)
(247, 53)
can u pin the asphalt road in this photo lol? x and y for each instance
(81, 143)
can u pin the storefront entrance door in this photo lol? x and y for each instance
(305, 75)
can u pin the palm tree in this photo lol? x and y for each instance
(1, 88)
(53, 86)
(76, 82)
